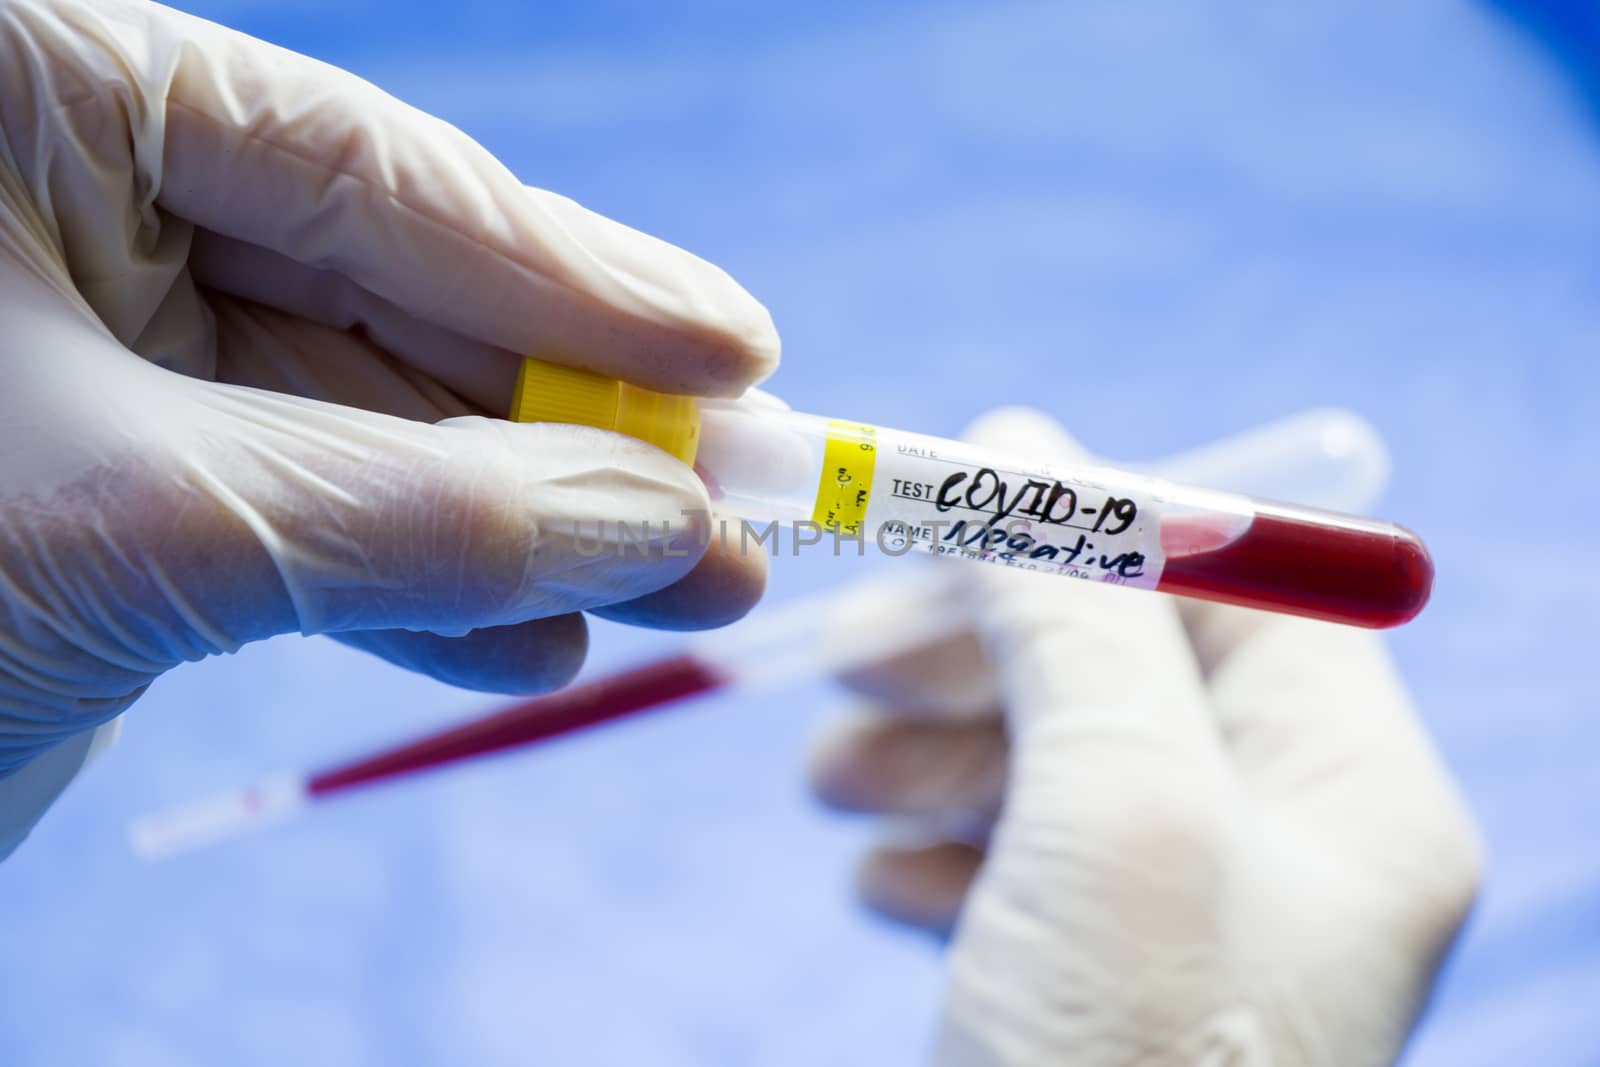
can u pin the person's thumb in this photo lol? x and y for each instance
(1078, 659)
(1109, 844)
(274, 514)
(1112, 739)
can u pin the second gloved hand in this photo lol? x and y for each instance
(253, 312)
(1208, 840)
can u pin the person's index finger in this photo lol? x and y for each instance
(949, 678)
(905, 639)
(276, 149)
(1215, 630)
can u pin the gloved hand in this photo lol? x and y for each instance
(1220, 838)
(239, 291)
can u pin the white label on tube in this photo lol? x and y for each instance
(929, 494)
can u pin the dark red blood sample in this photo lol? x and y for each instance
(539, 719)
(1319, 565)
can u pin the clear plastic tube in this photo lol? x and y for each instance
(911, 492)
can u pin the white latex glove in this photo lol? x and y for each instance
(1229, 843)
(239, 291)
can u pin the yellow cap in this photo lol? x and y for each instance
(550, 392)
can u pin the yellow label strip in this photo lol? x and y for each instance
(848, 461)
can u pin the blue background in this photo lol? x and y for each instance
(1163, 223)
